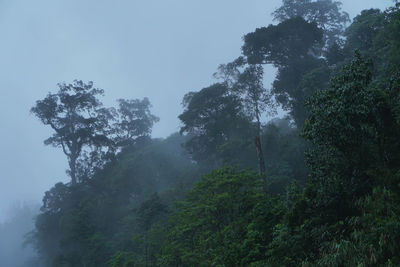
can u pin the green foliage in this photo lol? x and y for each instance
(349, 123)
(116, 214)
(375, 34)
(208, 227)
(284, 155)
(122, 259)
(212, 118)
(311, 82)
(282, 44)
(246, 82)
(341, 116)
(326, 13)
(374, 238)
(361, 34)
(293, 46)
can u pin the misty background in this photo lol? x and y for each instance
(131, 49)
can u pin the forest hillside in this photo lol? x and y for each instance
(318, 187)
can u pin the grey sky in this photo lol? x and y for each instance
(132, 49)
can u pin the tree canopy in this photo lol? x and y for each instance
(327, 14)
(78, 119)
(88, 133)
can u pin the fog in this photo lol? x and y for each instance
(14, 232)
(131, 49)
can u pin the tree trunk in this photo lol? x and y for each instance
(72, 167)
(257, 143)
(260, 156)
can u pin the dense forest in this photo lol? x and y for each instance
(317, 187)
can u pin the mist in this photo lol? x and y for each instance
(131, 49)
(14, 232)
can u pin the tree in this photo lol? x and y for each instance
(327, 14)
(348, 126)
(284, 44)
(134, 120)
(78, 119)
(247, 84)
(284, 155)
(346, 115)
(311, 82)
(362, 33)
(256, 101)
(210, 225)
(212, 117)
(294, 47)
(115, 211)
(149, 213)
(376, 35)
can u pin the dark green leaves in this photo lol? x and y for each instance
(326, 13)
(211, 222)
(281, 44)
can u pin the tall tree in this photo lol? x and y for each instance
(256, 101)
(294, 47)
(345, 126)
(326, 13)
(78, 119)
(283, 44)
(247, 84)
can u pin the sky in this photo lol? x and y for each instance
(130, 48)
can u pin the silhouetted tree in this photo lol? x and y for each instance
(294, 48)
(134, 120)
(326, 13)
(78, 119)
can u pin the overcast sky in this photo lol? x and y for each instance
(160, 49)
